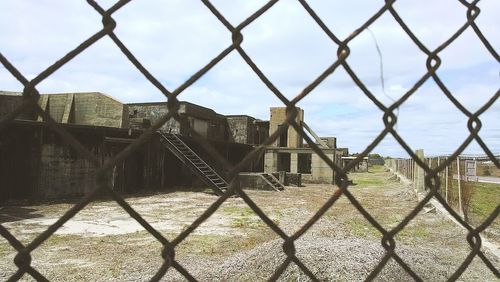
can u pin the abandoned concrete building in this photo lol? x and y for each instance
(289, 153)
(35, 162)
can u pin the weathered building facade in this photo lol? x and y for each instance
(289, 154)
(204, 121)
(247, 130)
(36, 163)
(95, 109)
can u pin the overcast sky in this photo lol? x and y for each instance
(174, 39)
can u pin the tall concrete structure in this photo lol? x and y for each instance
(291, 138)
(289, 154)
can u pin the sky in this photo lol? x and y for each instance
(174, 39)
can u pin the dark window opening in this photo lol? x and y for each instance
(284, 162)
(283, 140)
(304, 163)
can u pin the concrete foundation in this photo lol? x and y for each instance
(289, 179)
(254, 181)
(320, 171)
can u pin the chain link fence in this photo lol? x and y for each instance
(432, 180)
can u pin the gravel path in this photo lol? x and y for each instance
(102, 244)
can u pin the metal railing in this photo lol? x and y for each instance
(23, 259)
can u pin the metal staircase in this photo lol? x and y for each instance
(189, 158)
(273, 181)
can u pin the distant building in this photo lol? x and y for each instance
(289, 154)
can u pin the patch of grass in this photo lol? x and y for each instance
(362, 228)
(210, 245)
(368, 181)
(204, 244)
(377, 168)
(243, 217)
(414, 232)
(485, 199)
(248, 222)
(238, 210)
(374, 177)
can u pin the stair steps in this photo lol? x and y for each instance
(273, 181)
(196, 164)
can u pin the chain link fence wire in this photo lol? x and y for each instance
(31, 95)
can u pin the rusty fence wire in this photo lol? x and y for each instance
(432, 181)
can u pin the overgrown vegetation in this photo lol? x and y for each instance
(362, 228)
(371, 178)
(414, 232)
(466, 193)
(243, 217)
(485, 199)
(478, 199)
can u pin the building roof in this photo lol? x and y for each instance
(12, 93)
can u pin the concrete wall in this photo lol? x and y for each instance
(262, 131)
(320, 170)
(289, 178)
(253, 181)
(94, 109)
(153, 112)
(35, 163)
(277, 117)
(270, 161)
(62, 173)
(9, 101)
(247, 130)
(331, 142)
(241, 129)
(100, 110)
(204, 121)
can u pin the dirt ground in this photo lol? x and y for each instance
(103, 243)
